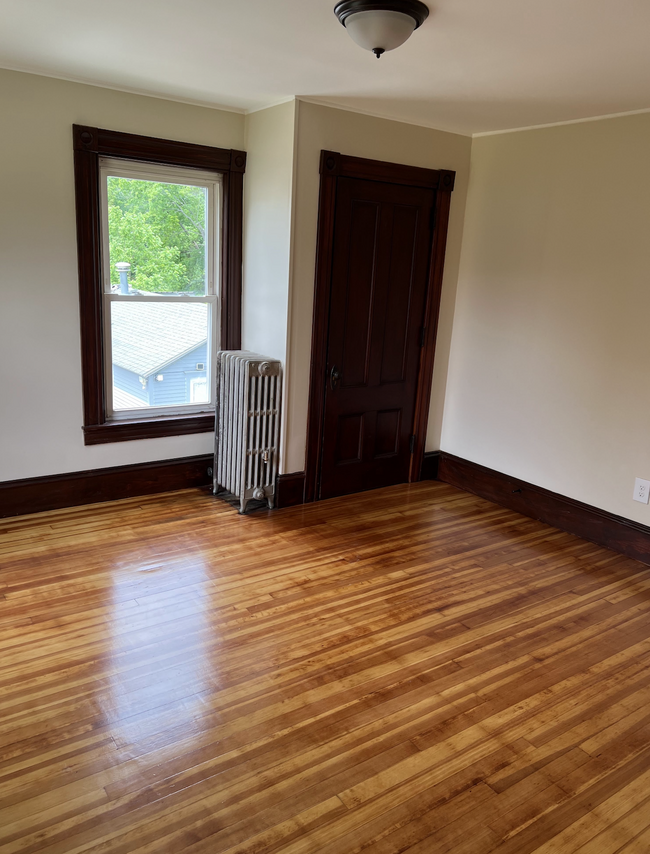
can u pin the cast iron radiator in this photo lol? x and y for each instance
(247, 428)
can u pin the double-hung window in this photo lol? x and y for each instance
(160, 253)
(159, 239)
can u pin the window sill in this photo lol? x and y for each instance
(127, 431)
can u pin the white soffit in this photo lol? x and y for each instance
(473, 67)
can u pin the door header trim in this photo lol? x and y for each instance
(344, 166)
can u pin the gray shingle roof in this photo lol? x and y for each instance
(124, 400)
(146, 336)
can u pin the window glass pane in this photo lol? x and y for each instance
(157, 237)
(160, 354)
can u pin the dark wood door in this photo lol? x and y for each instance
(380, 257)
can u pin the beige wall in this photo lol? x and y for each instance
(545, 375)
(267, 231)
(548, 375)
(362, 136)
(40, 370)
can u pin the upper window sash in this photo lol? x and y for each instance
(210, 181)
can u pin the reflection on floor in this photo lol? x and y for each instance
(412, 669)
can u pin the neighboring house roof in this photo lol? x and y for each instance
(123, 400)
(147, 336)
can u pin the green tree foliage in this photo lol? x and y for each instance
(159, 229)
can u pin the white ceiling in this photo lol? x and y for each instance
(474, 66)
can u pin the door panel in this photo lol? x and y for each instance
(349, 442)
(357, 294)
(382, 239)
(387, 433)
(395, 338)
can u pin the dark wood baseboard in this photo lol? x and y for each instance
(36, 494)
(430, 463)
(290, 489)
(615, 532)
(53, 492)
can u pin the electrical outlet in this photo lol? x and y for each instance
(641, 490)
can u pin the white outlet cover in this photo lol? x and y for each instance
(641, 490)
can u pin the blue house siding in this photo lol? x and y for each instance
(173, 389)
(130, 382)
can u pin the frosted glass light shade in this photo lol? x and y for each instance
(380, 29)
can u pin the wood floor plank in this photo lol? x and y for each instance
(410, 669)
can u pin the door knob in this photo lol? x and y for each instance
(335, 376)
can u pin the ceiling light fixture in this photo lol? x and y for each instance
(380, 26)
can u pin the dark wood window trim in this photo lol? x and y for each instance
(89, 145)
(333, 166)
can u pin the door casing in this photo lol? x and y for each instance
(332, 167)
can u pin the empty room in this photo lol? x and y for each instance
(324, 459)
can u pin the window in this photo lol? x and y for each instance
(159, 242)
(160, 251)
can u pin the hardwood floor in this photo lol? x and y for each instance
(412, 669)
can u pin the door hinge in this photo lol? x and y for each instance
(423, 335)
(412, 444)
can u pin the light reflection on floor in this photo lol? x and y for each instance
(151, 612)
